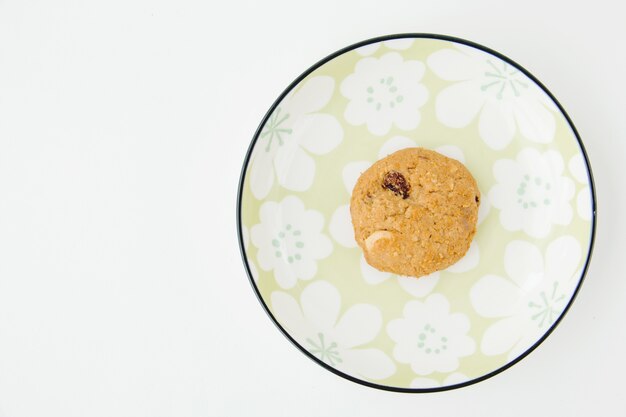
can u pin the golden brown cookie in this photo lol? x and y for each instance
(414, 212)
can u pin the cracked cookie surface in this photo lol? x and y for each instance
(414, 212)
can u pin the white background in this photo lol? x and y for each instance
(123, 126)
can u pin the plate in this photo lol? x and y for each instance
(535, 229)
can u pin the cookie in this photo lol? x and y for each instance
(414, 212)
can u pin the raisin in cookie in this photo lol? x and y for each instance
(414, 212)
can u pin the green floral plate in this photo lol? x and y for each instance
(535, 229)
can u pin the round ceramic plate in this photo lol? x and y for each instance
(535, 228)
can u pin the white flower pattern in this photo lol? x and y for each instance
(416, 287)
(293, 131)
(531, 192)
(531, 299)
(384, 92)
(506, 98)
(578, 168)
(340, 342)
(429, 337)
(290, 241)
(526, 259)
(395, 44)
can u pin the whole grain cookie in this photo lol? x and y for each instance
(414, 212)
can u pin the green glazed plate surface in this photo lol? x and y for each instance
(536, 219)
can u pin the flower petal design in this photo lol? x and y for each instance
(368, 49)
(383, 92)
(372, 275)
(370, 363)
(311, 96)
(528, 339)
(318, 133)
(261, 175)
(321, 302)
(314, 325)
(531, 193)
(507, 171)
(457, 105)
(288, 313)
(501, 336)
(562, 256)
(535, 192)
(511, 217)
(583, 204)
(578, 168)
(289, 240)
(429, 338)
(452, 151)
(424, 383)
(535, 121)
(283, 273)
(534, 298)
(453, 65)
(455, 378)
(419, 287)
(290, 211)
(359, 325)
(409, 69)
(378, 126)
(291, 129)
(341, 227)
(493, 296)
(409, 118)
(505, 97)
(563, 212)
(295, 169)
(397, 44)
(260, 231)
(395, 144)
(496, 124)
(320, 245)
(304, 270)
(524, 264)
